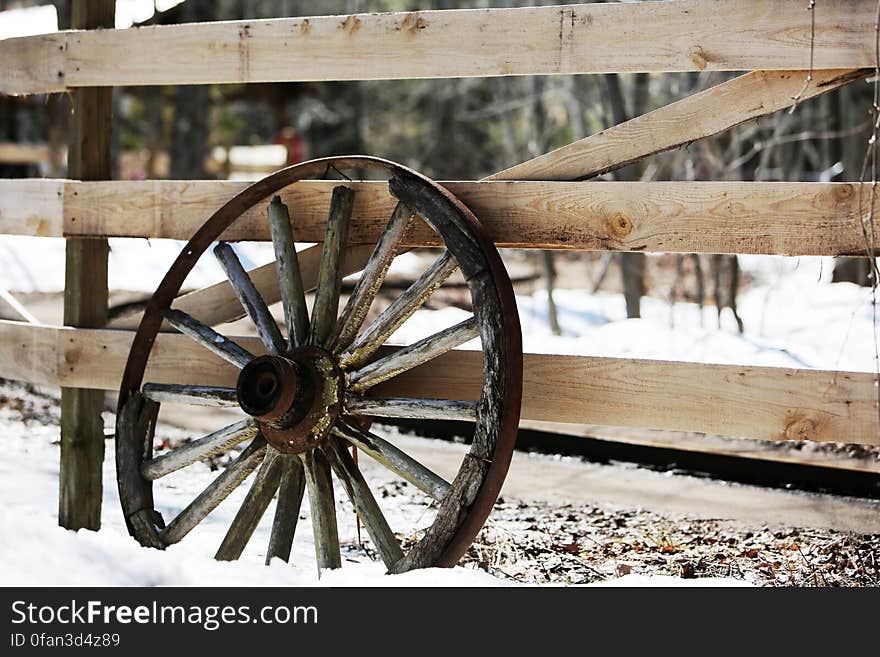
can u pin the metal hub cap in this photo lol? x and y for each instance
(296, 398)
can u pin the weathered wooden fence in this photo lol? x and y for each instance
(537, 204)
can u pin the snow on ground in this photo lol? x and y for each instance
(793, 317)
(36, 264)
(39, 553)
(667, 581)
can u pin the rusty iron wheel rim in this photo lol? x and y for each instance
(496, 423)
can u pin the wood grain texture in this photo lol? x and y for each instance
(329, 279)
(32, 207)
(210, 339)
(611, 227)
(758, 450)
(363, 501)
(322, 503)
(214, 443)
(217, 491)
(252, 509)
(403, 407)
(697, 116)
(738, 401)
(85, 292)
(33, 64)
(250, 299)
(20, 312)
(29, 352)
(135, 431)
(193, 395)
(782, 218)
(680, 35)
(217, 303)
(770, 403)
(394, 459)
(290, 496)
(370, 281)
(293, 297)
(398, 311)
(12, 152)
(413, 355)
(82, 426)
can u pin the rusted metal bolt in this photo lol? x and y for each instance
(266, 387)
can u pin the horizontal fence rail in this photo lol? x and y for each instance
(681, 217)
(702, 114)
(754, 450)
(770, 403)
(671, 36)
(19, 153)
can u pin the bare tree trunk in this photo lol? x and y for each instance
(189, 134)
(632, 265)
(725, 295)
(602, 270)
(115, 148)
(701, 284)
(539, 143)
(153, 102)
(58, 108)
(852, 270)
(550, 278)
(732, 290)
(57, 111)
(715, 265)
(731, 262)
(675, 288)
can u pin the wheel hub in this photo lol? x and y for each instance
(296, 398)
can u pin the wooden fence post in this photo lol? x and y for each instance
(85, 293)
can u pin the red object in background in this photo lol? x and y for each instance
(295, 145)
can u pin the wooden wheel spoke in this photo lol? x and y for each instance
(405, 407)
(193, 395)
(217, 491)
(210, 445)
(364, 503)
(371, 279)
(415, 354)
(250, 298)
(323, 507)
(290, 495)
(293, 296)
(398, 312)
(395, 459)
(330, 271)
(217, 304)
(328, 397)
(209, 338)
(252, 509)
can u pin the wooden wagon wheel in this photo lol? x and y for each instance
(307, 399)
